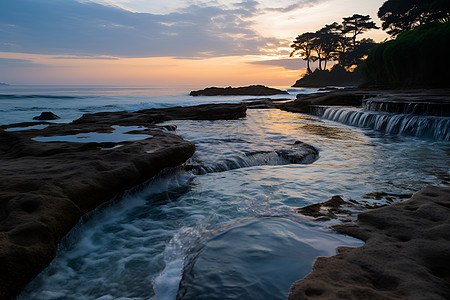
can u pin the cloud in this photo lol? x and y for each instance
(288, 64)
(69, 27)
(286, 7)
(5, 62)
(86, 57)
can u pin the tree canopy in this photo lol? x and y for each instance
(406, 61)
(398, 16)
(332, 43)
(357, 24)
(304, 46)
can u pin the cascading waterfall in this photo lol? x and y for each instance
(391, 117)
(402, 107)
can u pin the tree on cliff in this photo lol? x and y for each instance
(327, 43)
(303, 45)
(357, 24)
(332, 43)
(354, 56)
(398, 16)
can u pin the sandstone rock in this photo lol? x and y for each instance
(333, 98)
(405, 256)
(326, 210)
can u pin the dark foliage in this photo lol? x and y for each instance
(337, 76)
(415, 58)
(357, 24)
(332, 43)
(398, 16)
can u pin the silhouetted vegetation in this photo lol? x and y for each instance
(334, 42)
(399, 16)
(337, 76)
(414, 58)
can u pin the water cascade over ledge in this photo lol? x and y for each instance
(424, 120)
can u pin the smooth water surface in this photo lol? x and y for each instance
(259, 259)
(119, 134)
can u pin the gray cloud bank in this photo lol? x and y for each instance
(68, 27)
(288, 64)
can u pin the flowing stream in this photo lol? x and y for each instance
(229, 215)
(135, 247)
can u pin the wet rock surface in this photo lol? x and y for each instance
(46, 115)
(405, 256)
(46, 186)
(345, 211)
(296, 153)
(304, 102)
(421, 102)
(252, 90)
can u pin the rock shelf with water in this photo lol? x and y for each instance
(405, 256)
(421, 102)
(423, 114)
(47, 186)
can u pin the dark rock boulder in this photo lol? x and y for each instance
(300, 153)
(46, 115)
(253, 90)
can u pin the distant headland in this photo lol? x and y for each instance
(252, 90)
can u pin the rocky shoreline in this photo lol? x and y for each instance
(45, 187)
(405, 255)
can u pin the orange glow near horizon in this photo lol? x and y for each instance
(271, 27)
(159, 71)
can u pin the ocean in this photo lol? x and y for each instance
(234, 225)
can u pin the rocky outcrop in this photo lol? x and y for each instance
(420, 102)
(252, 90)
(405, 256)
(46, 187)
(46, 115)
(304, 102)
(155, 115)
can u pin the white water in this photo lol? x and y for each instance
(434, 127)
(134, 247)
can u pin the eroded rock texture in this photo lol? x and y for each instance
(405, 256)
(45, 187)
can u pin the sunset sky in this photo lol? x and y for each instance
(162, 42)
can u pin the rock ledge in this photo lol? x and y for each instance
(405, 256)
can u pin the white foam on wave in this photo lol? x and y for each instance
(26, 128)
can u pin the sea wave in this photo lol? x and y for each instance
(15, 96)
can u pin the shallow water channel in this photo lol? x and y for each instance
(135, 247)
